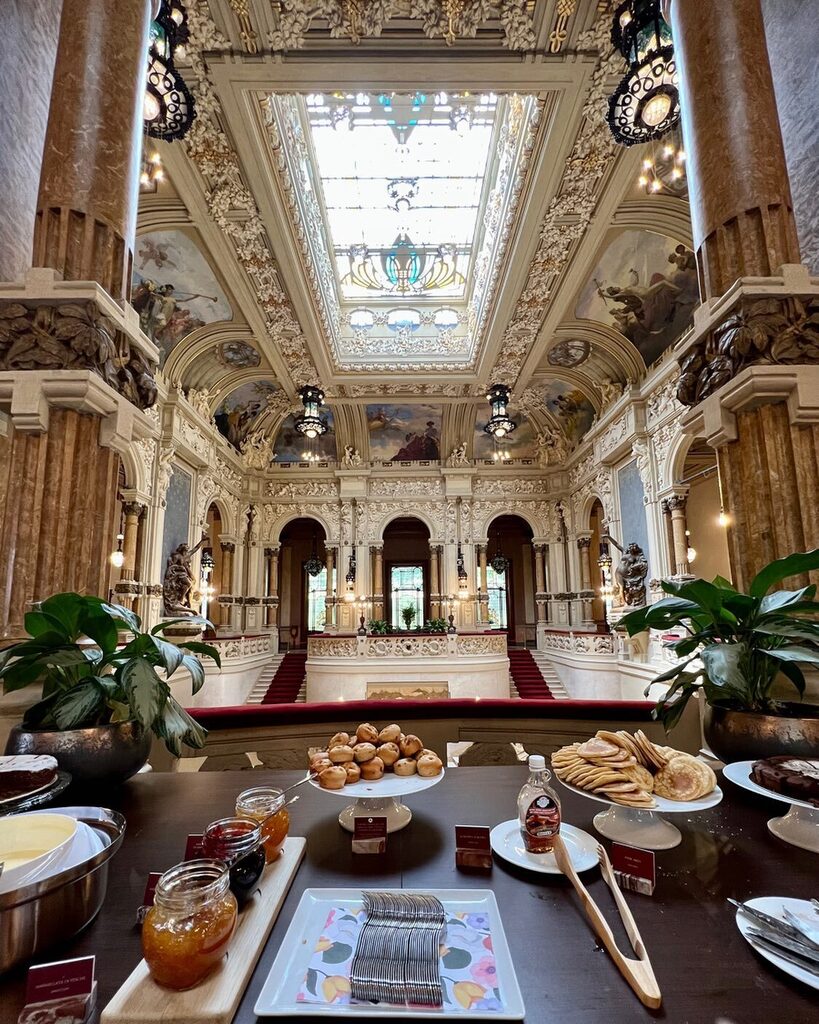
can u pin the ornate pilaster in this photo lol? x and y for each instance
(271, 555)
(330, 597)
(586, 593)
(540, 581)
(378, 580)
(435, 580)
(483, 594)
(127, 587)
(226, 597)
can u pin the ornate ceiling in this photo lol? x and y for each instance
(476, 224)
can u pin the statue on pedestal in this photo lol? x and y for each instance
(351, 458)
(457, 456)
(631, 575)
(179, 581)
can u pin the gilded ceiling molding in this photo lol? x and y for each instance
(231, 203)
(557, 37)
(354, 20)
(569, 212)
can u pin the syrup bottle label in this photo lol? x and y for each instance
(542, 817)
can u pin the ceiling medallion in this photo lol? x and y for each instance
(499, 424)
(168, 108)
(646, 103)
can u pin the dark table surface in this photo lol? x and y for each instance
(708, 974)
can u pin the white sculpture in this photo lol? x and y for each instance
(351, 458)
(552, 448)
(609, 392)
(457, 457)
(257, 450)
(639, 450)
(200, 398)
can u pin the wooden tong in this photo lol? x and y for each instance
(638, 973)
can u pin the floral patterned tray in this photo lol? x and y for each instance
(311, 973)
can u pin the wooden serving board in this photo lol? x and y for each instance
(140, 1000)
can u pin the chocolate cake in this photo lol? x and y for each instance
(796, 777)
(21, 774)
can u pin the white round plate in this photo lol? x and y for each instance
(389, 785)
(87, 843)
(507, 843)
(799, 827)
(773, 905)
(31, 843)
(664, 806)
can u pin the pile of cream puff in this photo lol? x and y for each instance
(368, 754)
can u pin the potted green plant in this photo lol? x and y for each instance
(100, 700)
(378, 627)
(436, 625)
(738, 649)
(408, 615)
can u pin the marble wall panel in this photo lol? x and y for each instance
(632, 510)
(177, 513)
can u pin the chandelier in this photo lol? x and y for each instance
(664, 170)
(646, 103)
(499, 424)
(313, 565)
(168, 108)
(310, 424)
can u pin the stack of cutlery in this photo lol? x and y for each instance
(793, 939)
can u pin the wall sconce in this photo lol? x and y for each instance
(351, 573)
(118, 556)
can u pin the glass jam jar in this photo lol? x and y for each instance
(266, 806)
(187, 931)
(238, 842)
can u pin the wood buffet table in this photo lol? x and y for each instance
(705, 969)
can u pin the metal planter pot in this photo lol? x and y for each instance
(748, 735)
(103, 753)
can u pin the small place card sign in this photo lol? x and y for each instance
(473, 851)
(193, 847)
(369, 835)
(148, 895)
(634, 869)
(64, 991)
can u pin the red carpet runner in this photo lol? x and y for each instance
(286, 683)
(526, 675)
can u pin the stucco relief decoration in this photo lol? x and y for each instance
(663, 400)
(610, 391)
(256, 450)
(472, 645)
(381, 512)
(615, 432)
(502, 488)
(164, 471)
(458, 457)
(421, 488)
(539, 514)
(277, 513)
(552, 448)
(351, 458)
(332, 647)
(303, 489)
(402, 388)
(200, 399)
(75, 336)
(406, 647)
(642, 454)
(570, 211)
(661, 442)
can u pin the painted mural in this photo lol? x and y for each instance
(238, 413)
(569, 352)
(570, 407)
(645, 286)
(174, 290)
(291, 446)
(520, 443)
(404, 433)
(238, 355)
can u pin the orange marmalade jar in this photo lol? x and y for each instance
(265, 805)
(187, 931)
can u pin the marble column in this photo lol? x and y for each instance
(378, 581)
(669, 539)
(483, 596)
(329, 600)
(58, 515)
(584, 553)
(749, 364)
(272, 556)
(127, 586)
(435, 580)
(228, 550)
(540, 582)
(676, 506)
(89, 183)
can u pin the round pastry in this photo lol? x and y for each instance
(389, 734)
(366, 733)
(642, 776)
(425, 750)
(363, 752)
(333, 778)
(320, 764)
(389, 753)
(429, 765)
(372, 769)
(410, 745)
(319, 755)
(340, 754)
(406, 766)
(353, 771)
(684, 778)
(341, 739)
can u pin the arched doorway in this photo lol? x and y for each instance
(511, 579)
(407, 578)
(707, 538)
(595, 550)
(303, 587)
(218, 614)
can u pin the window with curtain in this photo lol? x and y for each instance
(407, 590)
(316, 594)
(496, 585)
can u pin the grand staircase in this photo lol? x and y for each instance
(527, 678)
(283, 680)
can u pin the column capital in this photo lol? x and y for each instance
(134, 508)
(584, 540)
(676, 503)
(227, 546)
(272, 552)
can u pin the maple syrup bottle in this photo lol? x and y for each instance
(538, 808)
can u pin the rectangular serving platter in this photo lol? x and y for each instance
(278, 996)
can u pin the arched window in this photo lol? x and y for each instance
(407, 591)
(316, 593)
(497, 586)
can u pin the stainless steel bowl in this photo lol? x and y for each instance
(39, 915)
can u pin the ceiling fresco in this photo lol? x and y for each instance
(569, 353)
(401, 433)
(291, 446)
(174, 290)
(520, 444)
(241, 409)
(645, 286)
(238, 355)
(570, 407)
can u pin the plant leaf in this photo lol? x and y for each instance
(722, 665)
(117, 612)
(208, 650)
(175, 726)
(169, 654)
(191, 620)
(781, 569)
(794, 673)
(802, 654)
(66, 609)
(781, 599)
(40, 623)
(144, 690)
(79, 706)
(194, 666)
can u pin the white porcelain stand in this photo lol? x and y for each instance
(799, 827)
(398, 815)
(634, 827)
(383, 798)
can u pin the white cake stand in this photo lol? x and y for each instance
(799, 827)
(381, 799)
(646, 829)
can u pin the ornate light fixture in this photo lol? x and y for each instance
(463, 576)
(168, 108)
(313, 564)
(311, 424)
(118, 556)
(664, 170)
(499, 424)
(646, 103)
(151, 170)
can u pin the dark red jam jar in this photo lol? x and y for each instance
(238, 842)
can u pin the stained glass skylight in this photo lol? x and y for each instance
(402, 176)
